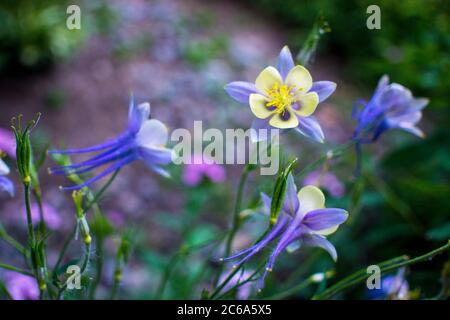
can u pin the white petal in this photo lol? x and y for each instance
(311, 198)
(299, 78)
(258, 106)
(308, 104)
(4, 170)
(153, 133)
(278, 122)
(267, 79)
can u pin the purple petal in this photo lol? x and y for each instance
(291, 203)
(137, 115)
(285, 62)
(315, 240)
(7, 186)
(241, 90)
(324, 89)
(310, 127)
(322, 219)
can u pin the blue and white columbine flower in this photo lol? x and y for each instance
(5, 184)
(303, 222)
(144, 139)
(284, 98)
(392, 106)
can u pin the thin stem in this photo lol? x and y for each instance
(5, 290)
(13, 242)
(237, 210)
(362, 275)
(31, 236)
(291, 291)
(15, 269)
(64, 250)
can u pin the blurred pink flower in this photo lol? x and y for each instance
(8, 142)
(326, 180)
(51, 216)
(21, 287)
(199, 168)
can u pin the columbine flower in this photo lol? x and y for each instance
(194, 172)
(5, 183)
(393, 287)
(303, 221)
(144, 139)
(327, 180)
(284, 98)
(21, 287)
(392, 106)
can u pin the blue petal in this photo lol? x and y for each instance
(314, 240)
(137, 115)
(310, 127)
(241, 90)
(285, 62)
(322, 219)
(324, 89)
(291, 203)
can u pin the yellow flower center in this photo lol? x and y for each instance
(281, 96)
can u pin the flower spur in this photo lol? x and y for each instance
(283, 98)
(144, 139)
(303, 221)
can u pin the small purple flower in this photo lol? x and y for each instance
(393, 287)
(8, 142)
(21, 287)
(327, 180)
(5, 184)
(52, 218)
(283, 98)
(303, 221)
(199, 168)
(392, 106)
(145, 139)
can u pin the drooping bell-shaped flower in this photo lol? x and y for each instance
(392, 106)
(144, 139)
(303, 222)
(283, 98)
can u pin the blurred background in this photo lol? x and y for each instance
(178, 55)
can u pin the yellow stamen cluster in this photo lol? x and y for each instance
(281, 96)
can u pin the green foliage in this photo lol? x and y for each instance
(34, 33)
(411, 46)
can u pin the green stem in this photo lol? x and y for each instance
(12, 268)
(362, 275)
(64, 250)
(13, 242)
(291, 291)
(5, 290)
(31, 236)
(237, 210)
